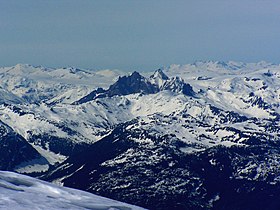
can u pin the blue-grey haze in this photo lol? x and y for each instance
(137, 34)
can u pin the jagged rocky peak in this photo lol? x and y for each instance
(134, 83)
(174, 84)
(177, 85)
(158, 78)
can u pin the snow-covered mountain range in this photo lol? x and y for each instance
(155, 139)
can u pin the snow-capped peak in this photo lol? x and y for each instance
(158, 78)
(177, 85)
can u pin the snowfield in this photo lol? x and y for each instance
(19, 192)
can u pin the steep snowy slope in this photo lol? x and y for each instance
(9, 98)
(19, 192)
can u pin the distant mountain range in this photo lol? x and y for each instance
(198, 136)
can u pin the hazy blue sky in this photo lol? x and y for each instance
(137, 34)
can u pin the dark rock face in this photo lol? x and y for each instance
(14, 149)
(152, 171)
(135, 83)
(137, 179)
(57, 145)
(188, 90)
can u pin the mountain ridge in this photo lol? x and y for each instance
(139, 138)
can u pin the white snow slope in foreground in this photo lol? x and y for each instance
(19, 192)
